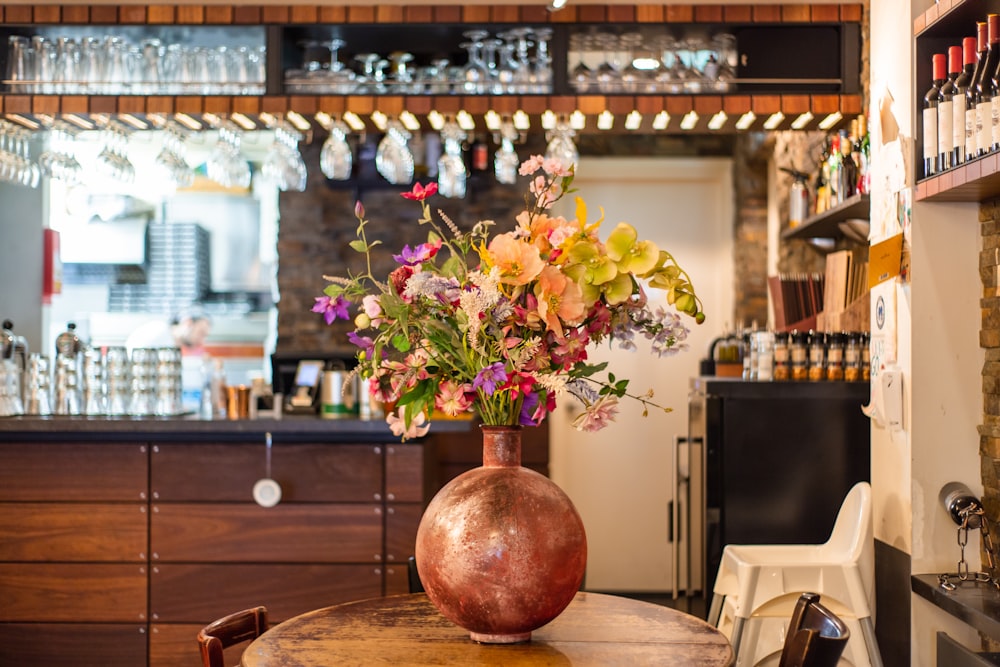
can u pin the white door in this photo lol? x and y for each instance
(620, 478)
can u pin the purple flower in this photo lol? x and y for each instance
(332, 309)
(489, 377)
(528, 407)
(419, 255)
(364, 342)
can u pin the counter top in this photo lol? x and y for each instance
(289, 427)
(977, 604)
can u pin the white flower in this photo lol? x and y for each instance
(398, 426)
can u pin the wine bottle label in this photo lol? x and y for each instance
(930, 133)
(984, 124)
(995, 121)
(971, 133)
(958, 121)
(946, 126)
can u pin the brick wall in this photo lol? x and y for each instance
(989, 340)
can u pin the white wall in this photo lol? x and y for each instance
(937, 350)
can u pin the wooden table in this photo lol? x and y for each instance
(598, 630)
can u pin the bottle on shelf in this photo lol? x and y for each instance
(959, 101)
(822, 188)
(833, 177)
(848, 173)
(864, 150)
(946, 111)
(932, 101)
(986, 89)
(972, 128)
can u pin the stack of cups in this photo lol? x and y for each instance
(168, 382)
(116, 375)
(67, 384)
(38, 388)
(143, 380)
(94, 388)
(10, 389)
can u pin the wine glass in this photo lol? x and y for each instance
(506, 161)
(561, 146)
(335, 157)
(451, 167)
(393, 159)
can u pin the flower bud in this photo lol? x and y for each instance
(362, 321)
(359, 210)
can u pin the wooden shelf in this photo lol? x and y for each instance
(826, 224)
(973, 181)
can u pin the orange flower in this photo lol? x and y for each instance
(518, 261)
(559, 300)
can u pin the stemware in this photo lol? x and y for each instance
(451, 167)
(475, 74)
(284, 165)
(561, 146)
(226, 165)
(506, 161)
(393, 159)
(335, 157)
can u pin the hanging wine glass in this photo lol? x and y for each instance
(561, 146)
(451, 166)
(393, 159)
(506, 162)
(475, 73)
(335, 158)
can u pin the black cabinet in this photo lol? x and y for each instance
(779, 459)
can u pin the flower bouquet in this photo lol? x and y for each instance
(499, 323)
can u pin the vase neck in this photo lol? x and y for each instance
(501, 446)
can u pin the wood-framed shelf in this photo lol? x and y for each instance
(973, 181)
(792, 99)
(826, 224)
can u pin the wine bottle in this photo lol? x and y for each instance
(972, 130)
(962, 82)
(932, 100)
(833, 180)
(946, 110)
(864, 178)
(986, 90)
(848, 172)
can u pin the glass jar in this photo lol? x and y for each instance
(817, 356)
(782, 368)
(852, 357)
(764, 345)
(835, 356)
(798, 353)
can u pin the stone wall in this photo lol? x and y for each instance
(317, 225)
(989, 340)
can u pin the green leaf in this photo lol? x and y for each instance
(401, 342)
(358, 245)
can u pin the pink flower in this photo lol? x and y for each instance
(453, 398)
(420, 193)
(397, 424)
(359, 210)
(531, 165)
(598, 414)
(332, 309)
(373, 308)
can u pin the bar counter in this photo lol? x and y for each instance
(288, 428)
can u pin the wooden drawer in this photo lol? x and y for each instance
(73, 532)
(248, 533)
(227, 472)
(67, 592)
(86, 472)
(401, 524)
(196, 593)
(73, 645)
(404, 473)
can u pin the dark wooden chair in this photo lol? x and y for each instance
(229, 631)
(416, 586)
(816, 636)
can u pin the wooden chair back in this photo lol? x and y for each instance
(816, 636)
(228, 631)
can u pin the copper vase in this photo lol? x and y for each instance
(501, 550)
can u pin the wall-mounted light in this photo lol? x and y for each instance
(548, 119)
(354, 121)
(492, 120)
(465, 120)
(555, 5)
(606, 120)
(298, 121)
(690, 120)
(244, 121)
(774, 120)
(577, 120)
(633, 120)
(79, 121)
(746, 120)
(409, 121)
(522, 121)
(717, 121)
(379, 120)
(803, 120)
(188, 122)
(830, 120)
(436, 120)
(661, 121)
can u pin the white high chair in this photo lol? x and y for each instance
(758, 585)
